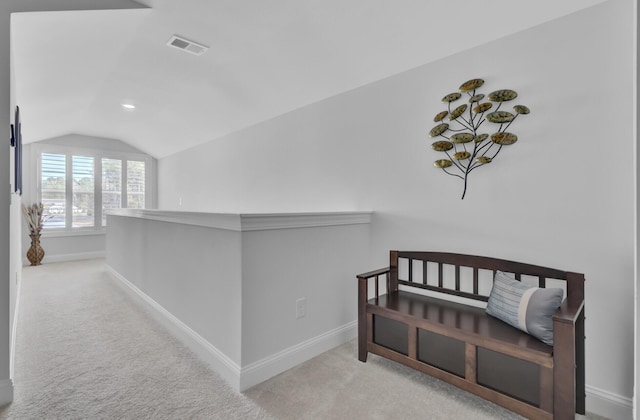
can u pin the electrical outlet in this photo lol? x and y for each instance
(301, 307)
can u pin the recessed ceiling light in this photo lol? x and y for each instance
(128, 106)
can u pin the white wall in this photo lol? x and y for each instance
(636, 48)
(192, 272)
(7, 247)
(562, 196)
(281, 266)
(15, 269)
(10, 244)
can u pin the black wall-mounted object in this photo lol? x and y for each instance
(16, 143)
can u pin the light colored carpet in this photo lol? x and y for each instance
(336, 385)
(86, 351)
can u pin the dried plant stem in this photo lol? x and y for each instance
(34, 216)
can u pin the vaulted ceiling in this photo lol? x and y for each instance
(74, 70)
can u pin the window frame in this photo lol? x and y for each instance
(97, 155)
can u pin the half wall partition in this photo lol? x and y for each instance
(251, 294)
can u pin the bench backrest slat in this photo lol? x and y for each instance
(473, 263)
(475, 280)
(542, 282)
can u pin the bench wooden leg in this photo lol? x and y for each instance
(362, 339)
(362, 319)
(580, 361)
(362, 350)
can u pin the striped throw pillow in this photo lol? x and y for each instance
(527, 308)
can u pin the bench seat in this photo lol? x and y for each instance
(464, 322)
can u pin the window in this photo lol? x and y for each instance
(83, 191)
(77, 188)
(53, 188)
(135, 184)
(111, 186)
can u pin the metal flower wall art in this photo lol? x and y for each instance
(465, 144)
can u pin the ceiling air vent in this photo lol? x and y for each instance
(186, 45)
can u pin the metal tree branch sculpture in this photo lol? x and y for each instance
(466, 148)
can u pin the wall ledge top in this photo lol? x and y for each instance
(250, 221)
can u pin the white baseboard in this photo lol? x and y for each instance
(240, 378)
(608, 404)
(69, 257)
(206, 351)
(260, 371)
(6, 391)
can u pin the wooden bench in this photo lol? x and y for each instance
(461, 344)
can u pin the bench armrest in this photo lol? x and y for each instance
(373, 273)
(363, 281)
(569, 311)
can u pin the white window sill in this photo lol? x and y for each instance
(60, 233)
